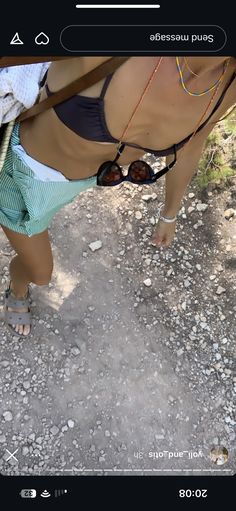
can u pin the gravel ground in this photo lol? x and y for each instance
(130, 366)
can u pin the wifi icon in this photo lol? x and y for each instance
(45, 494)
(58, 493)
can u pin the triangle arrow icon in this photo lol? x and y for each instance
(16, 39)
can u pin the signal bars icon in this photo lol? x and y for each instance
(59, 493)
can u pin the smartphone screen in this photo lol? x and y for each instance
(117, 251)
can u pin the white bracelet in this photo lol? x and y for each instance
(164, 219)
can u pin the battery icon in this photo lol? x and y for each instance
(28, 494)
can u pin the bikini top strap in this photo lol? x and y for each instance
(105, 85)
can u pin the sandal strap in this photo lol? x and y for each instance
(18, 318)
(12, 301)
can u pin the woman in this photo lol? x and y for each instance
(150, 103)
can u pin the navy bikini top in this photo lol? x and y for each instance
(85, 116)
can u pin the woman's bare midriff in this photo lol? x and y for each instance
(157, 124)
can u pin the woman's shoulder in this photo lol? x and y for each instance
(65, 71)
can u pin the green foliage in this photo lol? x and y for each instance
(218, 159)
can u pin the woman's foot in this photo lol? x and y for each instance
(20, 311)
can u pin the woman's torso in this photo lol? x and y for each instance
(166, 116)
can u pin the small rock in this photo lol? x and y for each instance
(190, 209)
(220, 290)
(26, 385)
(54, 430)
(95, 245)
(107, 433)
(224, 340)
(147, 197)
(201, 206)
(2, 439)
(75, 351)
(70, 423)
(198, 266)
(191, 195)
(229, 213)
(8, 416)
(25, 451)
(218, 356)
(138, 215)
(212, 277)
(147, 282)
(4, 363)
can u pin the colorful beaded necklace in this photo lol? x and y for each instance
(205, 91)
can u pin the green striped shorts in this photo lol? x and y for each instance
(27, 205)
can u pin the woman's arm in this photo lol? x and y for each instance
(178, 178)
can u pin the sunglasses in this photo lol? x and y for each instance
(139, 172)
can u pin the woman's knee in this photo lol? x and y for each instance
(41, 277)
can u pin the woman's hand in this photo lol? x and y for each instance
(163, 234)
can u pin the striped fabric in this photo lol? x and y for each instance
(27, 205)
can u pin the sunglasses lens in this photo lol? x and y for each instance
(112, 174)
(139, 171)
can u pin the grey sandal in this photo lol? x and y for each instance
(14, 317)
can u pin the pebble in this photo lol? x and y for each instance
(107, 433)
(201, 206)
(2, 439)
(218, 356)
(220, 290)
(191, 195)
(8, 416)
(212, 277)
(190, 209)
(147, 197)
(25, 451)
(229, 213)
(70, 423)
(75, 351)
(4, 363)
(147, 282)
(54, 430)
(138, 215)
(224, 340)
(198, 266)
(26, 385)
(95, 245)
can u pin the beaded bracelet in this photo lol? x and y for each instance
(164, 219)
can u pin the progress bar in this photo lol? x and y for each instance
(114, 6)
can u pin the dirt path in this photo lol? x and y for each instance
(131, 363)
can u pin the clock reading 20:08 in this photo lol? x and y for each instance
(192, 493)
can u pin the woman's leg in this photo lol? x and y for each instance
(33, 263)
